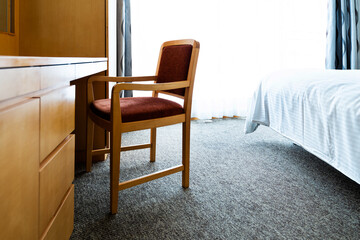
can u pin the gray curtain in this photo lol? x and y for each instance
(343, 35)
(124, 58)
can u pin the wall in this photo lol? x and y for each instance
(65, 28)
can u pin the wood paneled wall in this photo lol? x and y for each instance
(65, 28)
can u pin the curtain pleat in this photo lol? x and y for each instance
(343, 35)
(124, 57)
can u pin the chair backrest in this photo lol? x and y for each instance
(177, 62)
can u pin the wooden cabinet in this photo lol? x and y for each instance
(37, 121)
(19, 164)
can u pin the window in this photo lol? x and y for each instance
(241, 41)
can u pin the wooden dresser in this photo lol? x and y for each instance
(37, 144)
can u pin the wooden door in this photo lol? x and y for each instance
(19, 171)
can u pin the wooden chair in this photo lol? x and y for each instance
(174, 76)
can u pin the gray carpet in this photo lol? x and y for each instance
(256, 186)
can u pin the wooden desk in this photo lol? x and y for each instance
(37, 144)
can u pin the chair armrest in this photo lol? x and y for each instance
(150, 87)
(120, 79)
(90, 93)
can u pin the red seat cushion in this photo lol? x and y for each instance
(138, 108)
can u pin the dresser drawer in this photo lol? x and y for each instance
(26, 80)
(84, 70)
(57, 118)
(56, 176)
(57, 75)
(62, 224)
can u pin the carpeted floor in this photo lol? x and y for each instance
(256, 186)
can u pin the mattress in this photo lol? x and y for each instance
(317, 109)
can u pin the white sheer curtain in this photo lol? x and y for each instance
(240, 41)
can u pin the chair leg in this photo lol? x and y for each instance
(186, 154)
(115, 143)
(89, 143)
(153, 145)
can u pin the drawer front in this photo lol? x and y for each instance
(84, 70)
(57, 118)
(19, 171)
(56, 176)
(57, 75)
(62, 224)
(19, 81)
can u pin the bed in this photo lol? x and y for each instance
(316, 109)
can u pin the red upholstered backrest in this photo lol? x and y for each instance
(174, 65)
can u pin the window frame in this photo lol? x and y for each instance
(10, 18)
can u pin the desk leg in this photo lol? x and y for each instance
(100, 135)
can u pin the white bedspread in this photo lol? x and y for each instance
(317, 109)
